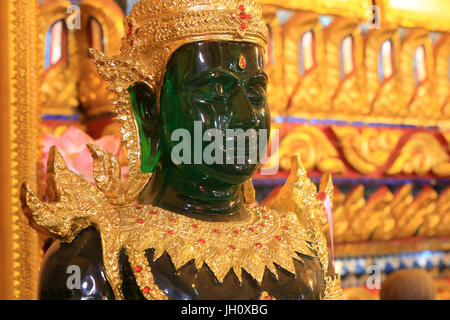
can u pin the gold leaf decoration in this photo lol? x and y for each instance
(367, 149)
(314, 148)
(421, 154)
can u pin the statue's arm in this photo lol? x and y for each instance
(74, 271)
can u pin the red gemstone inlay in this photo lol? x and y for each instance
(243, 26)
(241, 7)
(138, 268)
(267, 298)
(131, 42)
(251, 229)
(232, 246)
(170, 232)
(140, 220)
(195, 226)
(242, 62)
(236, 231)
(202, 241)
(154, 212)
(322, 196)
(286, 228)
(217, 231)
(283, 216)
(243, 16)
(262, 225)
(278, 238)
(130, 29)
(259, 245)
(233, 15)
(173, 220)
(146, 290)
(266, 217)
(249, 16)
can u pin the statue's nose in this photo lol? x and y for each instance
(243, 115)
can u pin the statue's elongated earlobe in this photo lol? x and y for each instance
(143, 101)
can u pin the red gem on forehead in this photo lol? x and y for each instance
(130, 29)
(146, 290)
(138, 269)
(242, 62)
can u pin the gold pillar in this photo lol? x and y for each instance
(20, 145)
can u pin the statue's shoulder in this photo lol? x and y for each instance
(74, 271)
(300, 196)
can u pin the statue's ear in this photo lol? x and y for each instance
(143, 101)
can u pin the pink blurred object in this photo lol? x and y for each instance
(72, 146)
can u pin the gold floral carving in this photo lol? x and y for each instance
(93, 94)
(264, 237)
(382, 96)
(441, 54)
(387, 217)
(367, 149)
(304, 91)
(421, 154)
(358, 9)
(347, 95)
(314, 148)
(419, 101)
(59, 90)
(276, 93)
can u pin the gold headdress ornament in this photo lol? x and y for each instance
(155, 29)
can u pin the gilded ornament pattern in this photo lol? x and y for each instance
(24, 145)
(313, 146)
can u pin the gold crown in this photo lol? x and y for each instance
(155, 29)
(153, 23)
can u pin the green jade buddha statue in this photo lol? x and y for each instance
(183, 230)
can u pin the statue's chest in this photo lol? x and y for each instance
(173, 256)
(189, 283)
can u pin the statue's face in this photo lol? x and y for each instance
(223, 86)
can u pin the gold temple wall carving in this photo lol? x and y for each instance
(390, 216)
(362, 95)
(20, 248)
